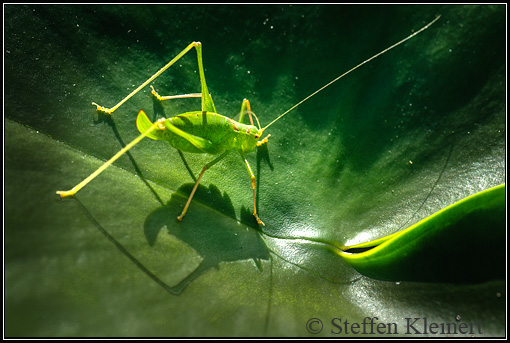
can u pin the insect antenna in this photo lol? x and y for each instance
(352, 69)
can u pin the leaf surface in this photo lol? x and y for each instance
(407, 135)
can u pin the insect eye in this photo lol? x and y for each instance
(256, 136)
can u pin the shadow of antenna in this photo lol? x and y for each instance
(123, 250)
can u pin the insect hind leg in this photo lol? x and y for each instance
(207, 103)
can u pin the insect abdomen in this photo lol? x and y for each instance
(206, 125)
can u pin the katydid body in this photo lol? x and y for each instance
(206, 131)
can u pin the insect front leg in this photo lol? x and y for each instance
(252, 177)
(207, 166)
(245, 108)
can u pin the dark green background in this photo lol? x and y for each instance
(336, 170)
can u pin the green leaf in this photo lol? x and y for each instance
(410, 133)
(461, 243)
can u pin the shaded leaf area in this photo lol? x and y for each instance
(411, 133)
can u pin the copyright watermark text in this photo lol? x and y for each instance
(410, 326)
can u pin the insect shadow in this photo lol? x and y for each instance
(213, 242)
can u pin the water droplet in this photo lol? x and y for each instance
(458, 317)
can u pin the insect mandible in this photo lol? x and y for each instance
(206, 131)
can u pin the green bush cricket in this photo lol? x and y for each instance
(206, 131)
